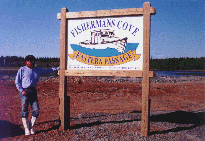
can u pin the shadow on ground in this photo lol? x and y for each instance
(191, 120)
(8, 129)
(179, 117)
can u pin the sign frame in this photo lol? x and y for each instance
(145, 73)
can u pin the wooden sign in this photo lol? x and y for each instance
(105, 43)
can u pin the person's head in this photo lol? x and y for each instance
(30, 61)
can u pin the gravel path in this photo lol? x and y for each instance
(122, 126)
(126, 126)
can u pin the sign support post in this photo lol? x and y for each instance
(64, 109)
(145, 123)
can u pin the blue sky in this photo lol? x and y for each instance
(32, 27)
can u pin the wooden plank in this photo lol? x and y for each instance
(64, 110)
(145, 123)
(106, 13)
(111, 73)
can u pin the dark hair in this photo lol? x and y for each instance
(30, 58)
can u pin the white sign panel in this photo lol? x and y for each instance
(106, 43)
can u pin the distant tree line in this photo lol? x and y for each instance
(15, 61)
(172, 64)
(169, 64)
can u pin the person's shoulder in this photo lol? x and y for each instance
(22, 69)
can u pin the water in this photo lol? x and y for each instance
(179, 73)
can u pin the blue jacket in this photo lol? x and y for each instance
(27, 77)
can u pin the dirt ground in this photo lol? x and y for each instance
(90, 96)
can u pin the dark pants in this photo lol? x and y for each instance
(32, 99)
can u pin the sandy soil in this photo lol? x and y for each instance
(103, 110)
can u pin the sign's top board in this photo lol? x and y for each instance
(106, 13)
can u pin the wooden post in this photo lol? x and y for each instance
(64, 107)
(145, 76)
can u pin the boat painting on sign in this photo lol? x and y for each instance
(103, 39)
(105, 43)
